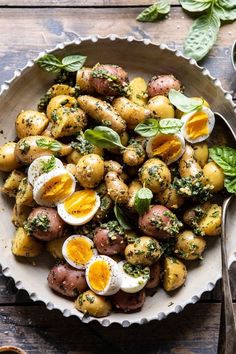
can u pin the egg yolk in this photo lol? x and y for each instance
(79, 250)
(197, 125)
(166, 146)
(57, 188)
(99, 275)
(80, 203)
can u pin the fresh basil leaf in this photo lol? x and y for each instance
(121, 218)
(170, 125)
(202, 36)
(103, 137)
(227, 4)
(184, 103)
(52, 145)
(48, 165)
(225, 157)
(195, 5)
(148, 128)
(230, 184)
(225, 14)
(143, 200)
(50, 63)
(73, 63)
(150, 14)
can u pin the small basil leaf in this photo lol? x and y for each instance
(103, 137)
(48, 165)
(230, 184)
(73, 63)
(183, 103)
(225, 14)
(202, 36)
(52, 145)
(225, 157)
(50, 63)
(227, 4)
(151, 13)
(195, 5)
(148, 128)
(121, 218)
(143, 200)
(170, 126)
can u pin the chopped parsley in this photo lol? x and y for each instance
(113, 228)
(24, 147)
(136, 271)
(41, 222)
(48, 165)
(193, 187)
(82, 145)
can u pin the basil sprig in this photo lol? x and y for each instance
(121, 218)
(103, 137)
(143, 199)
(151, 13)
(151, 127)
(225, 157)
(70, 63)
(52, 145)
(184, 103)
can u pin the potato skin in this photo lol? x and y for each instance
(12, 183)
(30, 123)
(59, 101)
(155, 275)
(93, 304)
(135, 153)
(175, 274)
(60, 89)
(188, 166)
(155, 175)
(66, 280)
(102, 112)
(127, 302)
(132, 113)
(8, 160)
(24, 194)
(108, 245)
(170, 198)
(90, 170)
(138, 91)
(54, 225)
(214, 175)
(161, 107)
(20, 214)
(200, 153)
(134, 187)
(68, 121)
(159, 222)
(83, 81)
(24, 245)
(109, 80)
(144, 251)
(189, 246)
(116, 188)
(54, 247)
(210, 223)
(113, 166)
(161, 85)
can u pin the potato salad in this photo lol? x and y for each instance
(116, 179)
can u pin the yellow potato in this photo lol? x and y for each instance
(135, 153)
(68, 121)
(24, 245)
(170, 198)
(116, 188)
(30, 123)
(155, 175)
(161, 107)
(189, 246)
(188, 166)
(90, 170)
(24, 194)
(12, 183)
(113, 166)
(138, 91)
(92, 304)
(54, 247)
(83, 81)
(20, 214)
(60, 89)
(175, 274)
(214, 175)
(76, 154)
(210, 223)
(200, 153)
(143, 251)
(8, 160)
(134, 187)
(59, 101)
(71, 167)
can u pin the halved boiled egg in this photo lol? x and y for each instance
(198, 125)
(103, 275)
(40, 165)
(169, 147)
(78, 251)
(53, 187)
(134, 278)
(80, 207)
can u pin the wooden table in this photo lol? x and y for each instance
(27, 27)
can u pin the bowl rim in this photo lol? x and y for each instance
(216, 82)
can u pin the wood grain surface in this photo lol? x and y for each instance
(27, 27)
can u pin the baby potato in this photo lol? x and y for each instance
(116, 188)
(102, 112)
(31, 147)
(92, 304)
(60, 89)
(30, 123)
(162, 84)
(200, 153)
(214, 176)
(175, 273)
(210, 223)
(135, 153)
(138, 91)
(155, 276)
(8, 160)
(71, 167)
(77, 153)
(54, 247)
(132, 113)
(12, 183)
(58, 102)
(68, 121)
(84, 82)
(188, 166)
(24, 245)
(20, 214)
(161, 107)
(113, 166)
(143, 251)
(104, 209)
(189, 246)
(134, 187)
(155, 175)
(24, 194)
(170, 198)
(90, 170)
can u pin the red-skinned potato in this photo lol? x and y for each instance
(66, 280)
(127, 302)
(108, 244)
(155, 273)
(162, 84)
(159, 222)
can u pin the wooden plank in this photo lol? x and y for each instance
(37, 330)
(36, 29)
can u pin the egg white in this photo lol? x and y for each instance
(114, 283)
(38, 188)
(35, 169)
(211, 124)
(65, 252)
(131, 284)
(72, 220)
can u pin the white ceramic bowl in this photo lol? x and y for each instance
(138, 58)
